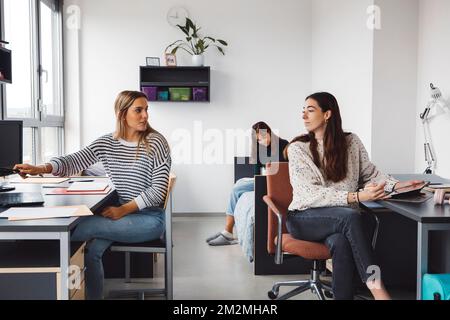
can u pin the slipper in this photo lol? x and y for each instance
(222, 241)
(213, 236)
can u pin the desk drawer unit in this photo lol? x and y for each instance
(29, 270)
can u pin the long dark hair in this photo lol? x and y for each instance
(274, 140)
(334, 141)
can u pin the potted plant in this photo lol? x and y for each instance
(195, 44)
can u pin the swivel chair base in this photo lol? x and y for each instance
(321, 288)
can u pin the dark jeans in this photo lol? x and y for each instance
(341, 229)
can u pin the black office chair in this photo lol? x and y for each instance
(160, 246)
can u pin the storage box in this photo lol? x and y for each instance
(150, 92)
(180, 94)
(163, 95)
(436, 287)
(200, 94)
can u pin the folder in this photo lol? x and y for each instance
(65, 191)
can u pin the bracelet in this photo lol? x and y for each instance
(357, 196)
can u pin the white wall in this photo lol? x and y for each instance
(373, 73)
(265, 75)
(395, 85)
(434, 66)
(278, 54)
(342, 56)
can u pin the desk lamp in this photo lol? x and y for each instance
(435, 107)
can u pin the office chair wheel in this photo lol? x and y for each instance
(272, 295)
(328, 294)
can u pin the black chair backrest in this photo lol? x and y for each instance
(243, 168)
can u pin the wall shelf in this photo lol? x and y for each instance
(162, 84)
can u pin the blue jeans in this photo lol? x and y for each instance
(240, 187)
(101, 232)
(341, 229)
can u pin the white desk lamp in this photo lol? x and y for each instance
(435, 107)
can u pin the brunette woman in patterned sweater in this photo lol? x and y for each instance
(330, 173)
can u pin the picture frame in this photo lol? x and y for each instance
(152, 61)
(171, 60)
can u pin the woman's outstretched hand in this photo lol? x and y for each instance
(28, 169)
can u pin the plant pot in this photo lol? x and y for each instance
(198, 60)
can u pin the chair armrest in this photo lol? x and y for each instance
(376, 230)
(279, 244)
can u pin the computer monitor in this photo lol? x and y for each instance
(11, 147)
(5, 65)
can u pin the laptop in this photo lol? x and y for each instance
(20, 199)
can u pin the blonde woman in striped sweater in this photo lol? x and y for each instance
(137, 160)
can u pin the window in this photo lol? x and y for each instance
(33, 29)
(19, 95)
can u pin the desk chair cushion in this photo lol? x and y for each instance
(305, 249)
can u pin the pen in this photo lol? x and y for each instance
(53, 186)
(72, 181)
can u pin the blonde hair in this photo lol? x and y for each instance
(123, 102)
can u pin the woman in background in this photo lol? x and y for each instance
(266, 147)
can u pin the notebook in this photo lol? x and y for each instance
(433, 188)
(87, 186)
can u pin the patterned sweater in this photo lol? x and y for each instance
(311, 190)
(137, 175)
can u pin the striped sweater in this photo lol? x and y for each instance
(137, 175)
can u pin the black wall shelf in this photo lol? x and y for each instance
(159, 83)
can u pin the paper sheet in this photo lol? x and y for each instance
(15, 214)
(87, 186)
(38, 180)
